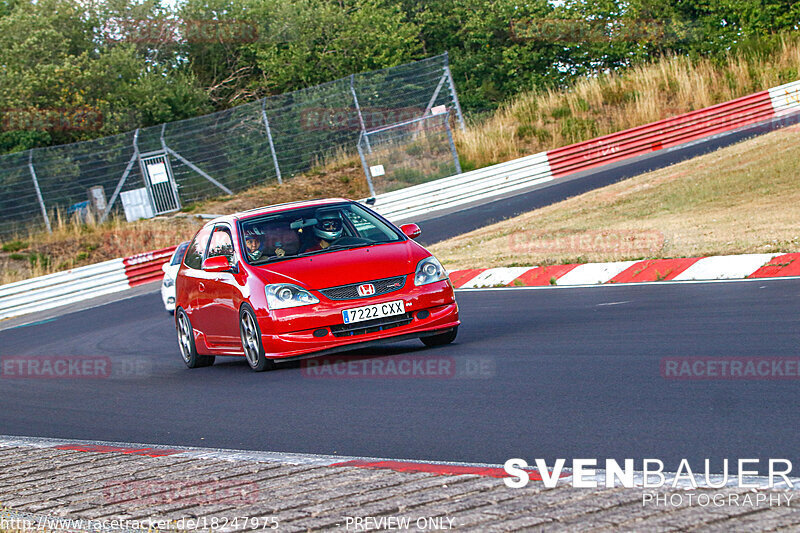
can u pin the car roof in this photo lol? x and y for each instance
(275, 209)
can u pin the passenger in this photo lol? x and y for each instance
(252, 240)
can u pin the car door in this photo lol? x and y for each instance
(223, 293)
(191, 278)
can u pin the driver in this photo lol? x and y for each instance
(327, 229)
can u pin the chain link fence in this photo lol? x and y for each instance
(262, 142)
(408, 153)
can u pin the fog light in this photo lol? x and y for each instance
(321, 332)
(422, 315)
(170, 300)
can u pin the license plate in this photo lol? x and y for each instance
(368, 312)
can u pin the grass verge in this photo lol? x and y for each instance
(740, 199)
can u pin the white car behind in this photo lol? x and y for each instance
(170, 269)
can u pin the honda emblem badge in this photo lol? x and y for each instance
(366, 289)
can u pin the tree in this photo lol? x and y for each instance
(62, 81)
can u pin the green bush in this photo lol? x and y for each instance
(14, 246)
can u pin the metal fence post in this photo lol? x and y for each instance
(358, 109)
(435, 94)
(38, 192)
(191, 165)
(364, 164)
(453, 91)
(269, 136)
(452, 144)
(124, 177)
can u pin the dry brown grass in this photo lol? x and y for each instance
(344, 178)
(741, 199)
(539, 121)
(73, 244)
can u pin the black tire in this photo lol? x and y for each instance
(250, 334)
(186, 342)
(440, 339)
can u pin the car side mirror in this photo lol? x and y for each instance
(217, 263)
(164, 267)
(411, 231)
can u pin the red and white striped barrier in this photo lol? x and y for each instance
(64, 288)
(146, 267)
(745, 266)
(487, 183)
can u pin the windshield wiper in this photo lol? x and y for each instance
(334, 247)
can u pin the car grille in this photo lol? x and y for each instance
(371, 326)
(350, 292)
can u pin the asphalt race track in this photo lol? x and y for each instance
(554, 373)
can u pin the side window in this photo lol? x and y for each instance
(366, 227)
(221, 244)
(194, 254)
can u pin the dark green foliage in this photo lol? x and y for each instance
(14, 246)
(74, 70)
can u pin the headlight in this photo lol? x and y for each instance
(168, 282)
(283, 295)
(429, 270)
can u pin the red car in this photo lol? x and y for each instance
(290, 280)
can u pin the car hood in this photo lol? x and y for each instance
(343, 267)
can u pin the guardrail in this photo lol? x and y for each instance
(491, 182)
(146, 267)
(464, 188)
(63, 288)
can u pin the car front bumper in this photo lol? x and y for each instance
(429, 310)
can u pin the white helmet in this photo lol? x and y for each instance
(329, 225)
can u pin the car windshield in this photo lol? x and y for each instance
(313, 230)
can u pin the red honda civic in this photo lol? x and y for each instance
(308, 278)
